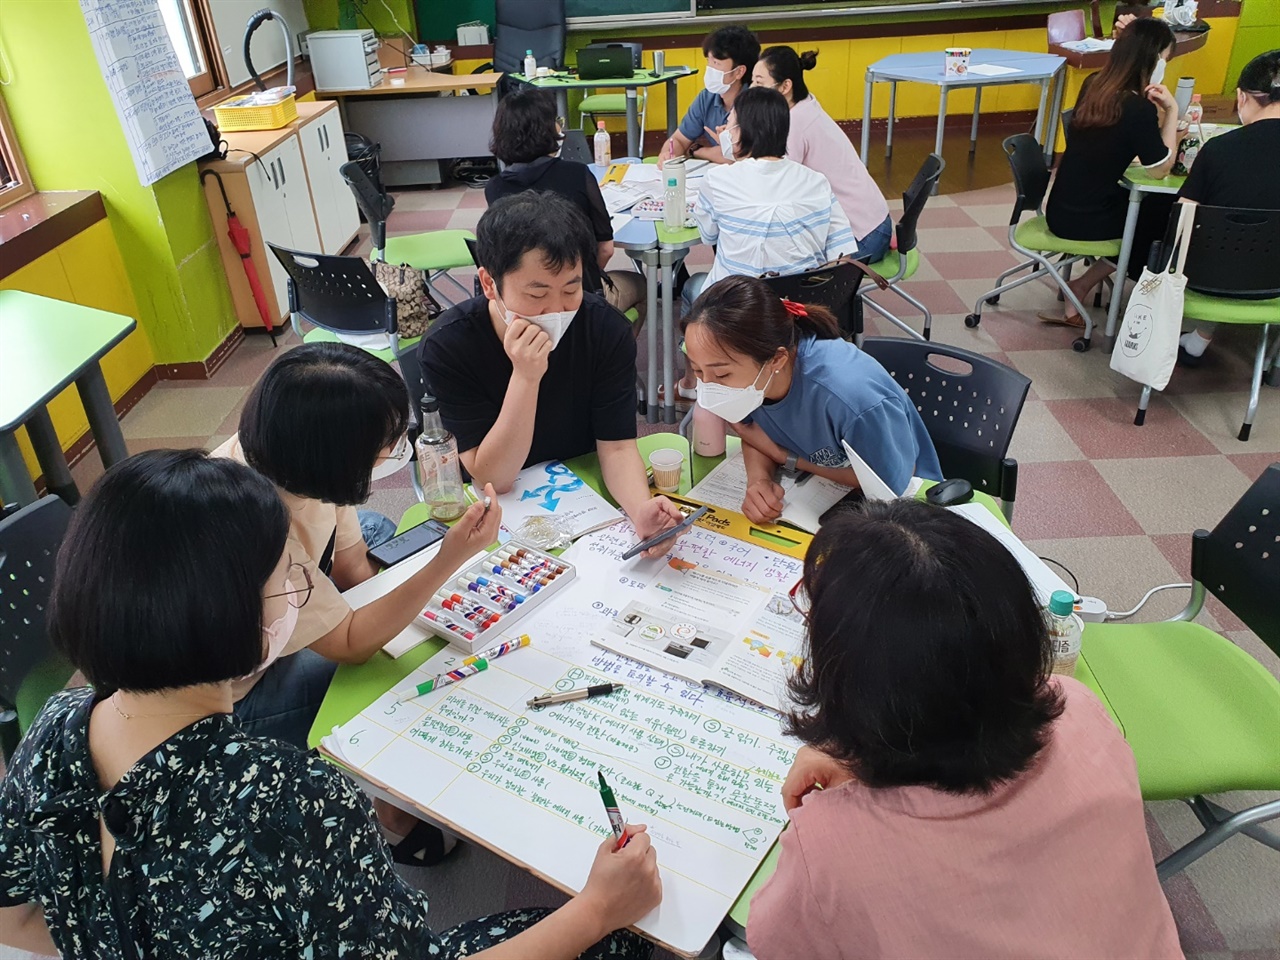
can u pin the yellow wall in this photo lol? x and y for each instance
(87, 269)
(839, 80)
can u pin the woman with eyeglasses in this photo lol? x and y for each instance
(138, 819)
(324, 422)
(954, 798)
(527, 136)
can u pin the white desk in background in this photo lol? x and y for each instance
(427, 118)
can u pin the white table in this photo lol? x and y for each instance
(1042, 69)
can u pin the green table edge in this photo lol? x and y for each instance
(130, 325)
(639, 78)
(354, 687)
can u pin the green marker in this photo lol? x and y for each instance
(611, 810)
(444, 679)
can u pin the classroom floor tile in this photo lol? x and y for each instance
(1114, 502)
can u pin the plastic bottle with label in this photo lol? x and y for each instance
(530, 65)
(438, 461)
(673, 199)
(603, 145)
(1065, 630)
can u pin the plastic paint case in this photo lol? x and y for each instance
(543, 565)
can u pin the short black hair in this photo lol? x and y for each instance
(733, 43)
(524, 126)
(764, 121)
(159, 580)
(928, 657)
(317, 420)
(534, 220)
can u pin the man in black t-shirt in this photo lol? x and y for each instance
(1238, 168)
(536, 369)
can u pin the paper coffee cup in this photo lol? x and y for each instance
(667, 465)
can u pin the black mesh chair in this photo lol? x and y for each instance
(339, 296)
(1201, 715)
(1232, 277)
(435, 253)
(970, 407)
(834, 286)
(901, 264)
(1066, 123)
(1035, 241)
(30, 670)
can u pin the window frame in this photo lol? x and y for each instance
(211, 85)
(22, 187)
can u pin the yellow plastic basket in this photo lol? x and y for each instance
(234, 115)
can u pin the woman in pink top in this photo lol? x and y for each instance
(817, 142)
(974, 805)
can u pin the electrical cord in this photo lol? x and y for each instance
(1141, 603)
(1062, 566)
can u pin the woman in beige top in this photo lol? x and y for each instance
(973, 805)
(324, 420)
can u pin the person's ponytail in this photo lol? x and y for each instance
(808, 59)
(816, 320)
(746, 317)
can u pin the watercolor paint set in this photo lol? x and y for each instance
(493, 593)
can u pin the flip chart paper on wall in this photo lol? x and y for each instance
(161, 123)
(702, 767)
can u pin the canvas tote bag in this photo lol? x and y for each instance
(1147, 345)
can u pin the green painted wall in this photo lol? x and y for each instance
(361, 14)
(1258, 32)
(67, 127)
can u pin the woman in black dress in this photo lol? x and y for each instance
(1124, 111)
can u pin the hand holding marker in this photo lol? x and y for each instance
(611, 810)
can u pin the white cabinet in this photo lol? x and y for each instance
(282, 203)
(285, 187)
(324, 150)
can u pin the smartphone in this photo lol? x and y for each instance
(405, 545)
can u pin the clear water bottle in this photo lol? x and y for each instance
(1065, 630)
(603, 146)
(1195, 112)
(673, 210)
(438, 461)
(530, 65)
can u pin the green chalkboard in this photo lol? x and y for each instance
(624, 8)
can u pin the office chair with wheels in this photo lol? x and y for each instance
(435, 253)
(970, 406)
(1232, 278)
(340, 297)
(1035, 241)
(1201, 715)
(30, 670)
(901, 263)
(520, 25)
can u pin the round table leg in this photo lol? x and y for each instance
(15, 480)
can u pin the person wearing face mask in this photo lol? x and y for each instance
(766, 213)
(138, 819)
(817, 142)
(1124, 111)
(323, 423)
(526, 138)
(779, 373)
(1227, 171)
(731, 55)
(536, 369)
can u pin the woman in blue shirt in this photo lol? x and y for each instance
(793, 390)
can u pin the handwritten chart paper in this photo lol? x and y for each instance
(159, 116)
(701, 766)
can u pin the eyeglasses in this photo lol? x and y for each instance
(303, 592)
(400, 451)
(560, 122)
(800, 599)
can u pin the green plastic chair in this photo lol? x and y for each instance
(1201, 714)
(30, 670)
(1034, 240)
(434, 253)
(1232, 278)
(598, 105)
(902, 262)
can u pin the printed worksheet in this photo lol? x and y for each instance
(806, 498)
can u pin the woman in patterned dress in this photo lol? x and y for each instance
(137, 820)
